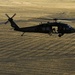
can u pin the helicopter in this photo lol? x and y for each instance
(48, 28)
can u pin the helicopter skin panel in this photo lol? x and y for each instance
(29, 29)
(14, 25)
(38, 29)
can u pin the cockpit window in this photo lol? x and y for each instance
(69, 26)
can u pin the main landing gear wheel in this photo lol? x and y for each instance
(60, 34)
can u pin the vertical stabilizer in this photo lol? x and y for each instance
(13, 24)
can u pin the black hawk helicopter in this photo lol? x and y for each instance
(49, 27)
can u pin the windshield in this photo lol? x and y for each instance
(69, 26)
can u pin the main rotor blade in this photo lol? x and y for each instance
(44, 18)
(13, 15)
(70, 19)
(67, 19)
(7, 15)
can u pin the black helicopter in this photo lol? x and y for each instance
(49, 27)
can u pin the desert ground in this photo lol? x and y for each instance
(35, 53)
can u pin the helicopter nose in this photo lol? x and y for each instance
(72, 29)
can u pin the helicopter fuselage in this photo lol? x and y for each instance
(53, 27)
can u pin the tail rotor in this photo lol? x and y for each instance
(9, 18)
(13, 15)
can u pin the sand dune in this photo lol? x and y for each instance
(35, 53)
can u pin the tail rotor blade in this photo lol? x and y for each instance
(7, 15)
(13, 15)
(6, 22)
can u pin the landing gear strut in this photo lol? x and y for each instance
(23, 34)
